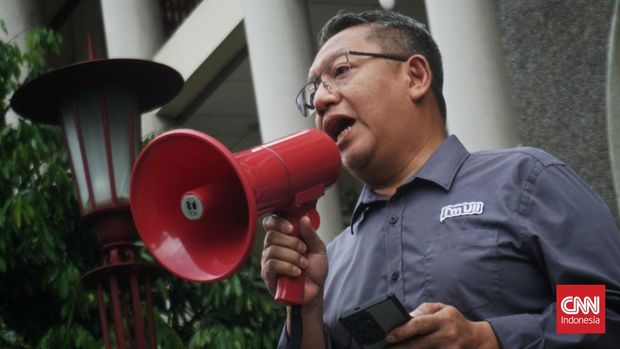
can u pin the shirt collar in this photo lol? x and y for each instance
(441, 168)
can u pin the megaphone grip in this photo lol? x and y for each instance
(291, 289)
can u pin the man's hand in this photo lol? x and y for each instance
(284, 254)
(436, 325)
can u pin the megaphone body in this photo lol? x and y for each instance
(195, 203)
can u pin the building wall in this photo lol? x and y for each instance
(557, 58)
(555, 53)
(613, 100)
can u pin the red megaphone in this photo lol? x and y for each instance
(195, 204)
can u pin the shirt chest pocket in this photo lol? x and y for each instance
(462, 270)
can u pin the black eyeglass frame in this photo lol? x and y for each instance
(308, 109)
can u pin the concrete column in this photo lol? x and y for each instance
(476, 87)
(281, 51)
(134, 29)
(613, 101)
(20, 17)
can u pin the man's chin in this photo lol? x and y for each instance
(356, 164)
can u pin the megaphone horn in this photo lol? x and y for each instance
(195, 204)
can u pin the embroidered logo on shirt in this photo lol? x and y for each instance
(462, 209)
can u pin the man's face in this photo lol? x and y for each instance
(369, 116)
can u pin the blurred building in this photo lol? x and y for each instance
(531, 73)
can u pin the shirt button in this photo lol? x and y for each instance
(393, 220)
(395, 276)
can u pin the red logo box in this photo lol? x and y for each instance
(580, 309)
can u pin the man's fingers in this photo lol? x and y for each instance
(285, 255)
(427, 309)
(276, 223)
(419, 325)
(275, 238)
(272, 268)
(309, 235)
(278, 230)
(422, 322)
(277, 267)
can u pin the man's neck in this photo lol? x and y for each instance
(389, 186)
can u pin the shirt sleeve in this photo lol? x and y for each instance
(573, 239)
(284, 342)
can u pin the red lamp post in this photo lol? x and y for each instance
(98, 104)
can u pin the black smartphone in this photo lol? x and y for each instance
(368, 323)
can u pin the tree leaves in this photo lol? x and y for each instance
(69, 336)
(234, 313)
(41, 295)
(39, 41)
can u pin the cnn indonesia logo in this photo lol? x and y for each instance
(580, 309)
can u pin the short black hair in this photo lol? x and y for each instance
(396, 33)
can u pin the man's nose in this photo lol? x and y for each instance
(325, 96)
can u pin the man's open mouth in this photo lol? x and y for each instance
(339, 127)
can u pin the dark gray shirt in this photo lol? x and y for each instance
(491, 233)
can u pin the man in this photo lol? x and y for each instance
(472, 244)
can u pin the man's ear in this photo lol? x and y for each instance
(420, 77)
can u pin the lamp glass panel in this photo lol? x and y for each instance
(137, 133)
(90, 113)
(123, 117)
(71, 135)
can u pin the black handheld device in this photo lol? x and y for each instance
(368, 323)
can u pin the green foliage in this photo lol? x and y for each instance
(13, 60)
(69, 336)
(44, 250)
(234, 313)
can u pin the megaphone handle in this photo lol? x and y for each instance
(291, 289)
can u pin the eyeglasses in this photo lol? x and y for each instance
(332, 77)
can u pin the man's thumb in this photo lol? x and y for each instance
(310, 236)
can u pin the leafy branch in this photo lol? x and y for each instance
(13, 61)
